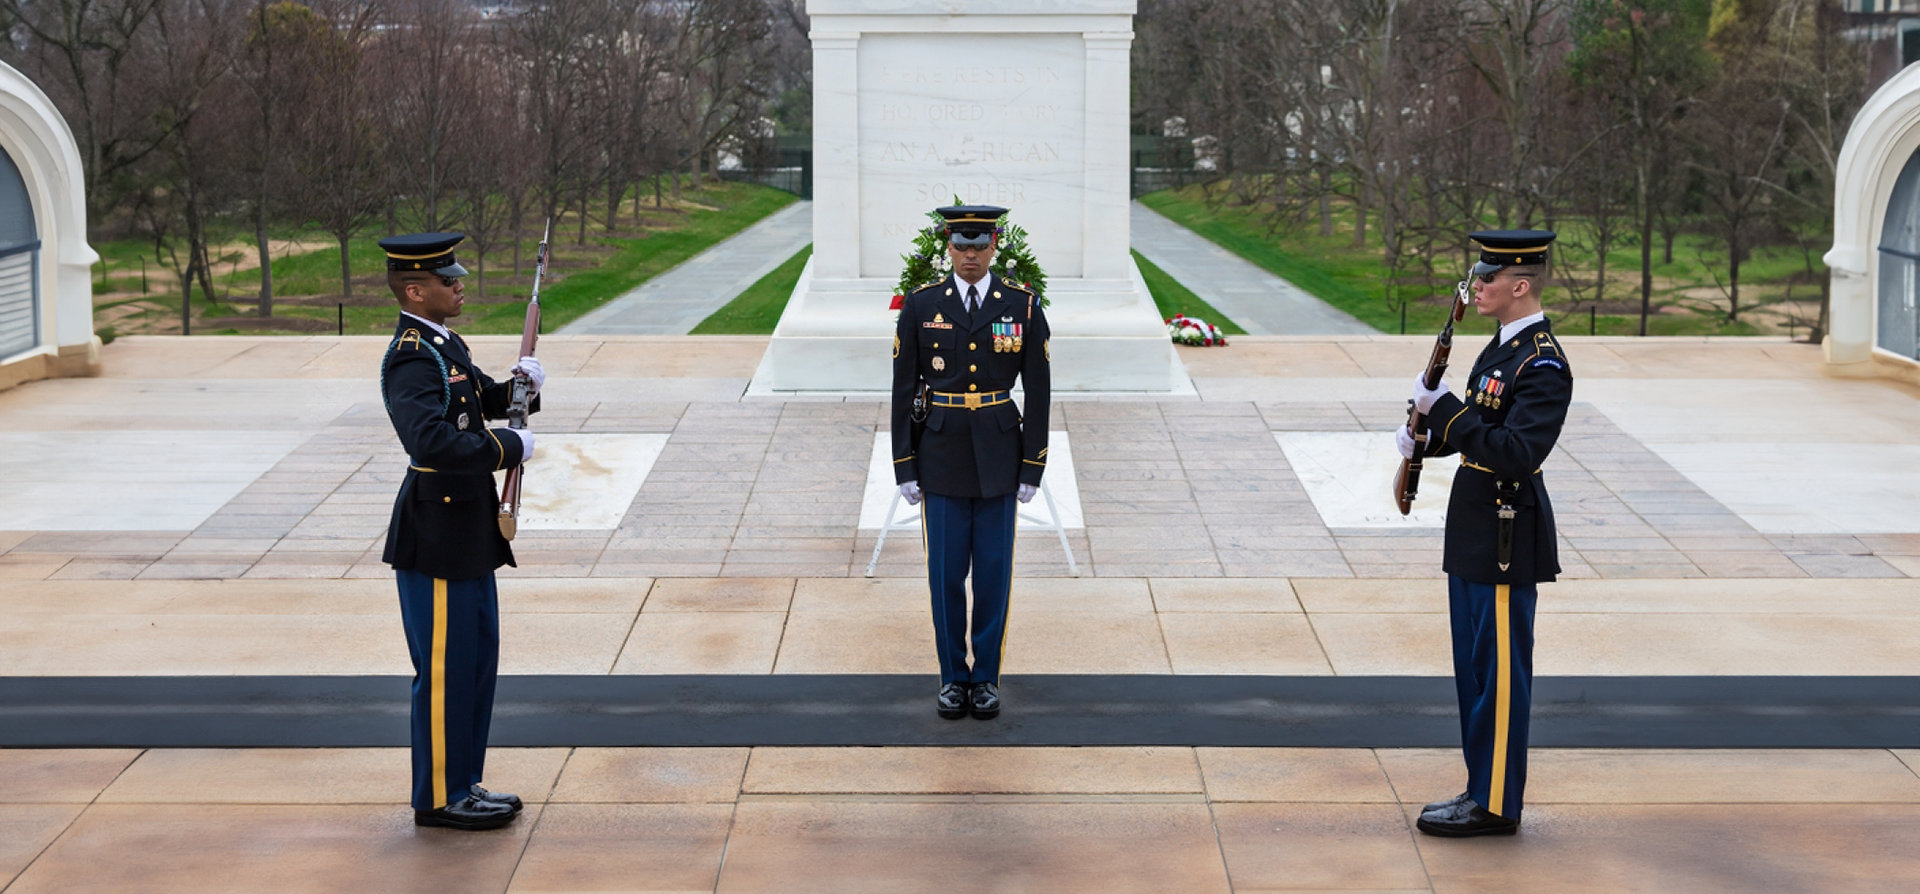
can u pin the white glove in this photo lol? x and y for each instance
(531, 366)
(911, 490)
(526, 443)
(1422, 398)
(1404, 439)
(1026, 493)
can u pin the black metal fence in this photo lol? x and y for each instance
(784, 168)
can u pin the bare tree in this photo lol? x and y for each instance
(1523, 43)
(94, 58)
(191, 40)
(426, 63)
(342, 142)
(1646, 56)
(274, 64)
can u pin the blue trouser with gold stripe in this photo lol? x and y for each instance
(962, 534)
(1493, 671)
(453, 634)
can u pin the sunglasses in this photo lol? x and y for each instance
(447, 281)
(1488, 278)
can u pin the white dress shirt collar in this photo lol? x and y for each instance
(444, 331)
(1512, 329)
(985, 285)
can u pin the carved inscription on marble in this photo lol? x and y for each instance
(990, 120)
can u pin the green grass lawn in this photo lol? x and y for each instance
(1354, 280)
(757, 310)
(579, 279)
(1173, 298)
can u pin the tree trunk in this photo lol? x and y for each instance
(616, 190)
(583, 214)
(1360, 214)
(346, 267)
(266, 262)
(206, 269)
(1733, 277)
(1646, 244)
(513, 228)
(186, 296)
(1326, 204)
(1600, 284)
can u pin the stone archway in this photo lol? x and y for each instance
(1876, 234)
(57, 260)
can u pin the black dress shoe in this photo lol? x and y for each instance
(1465, 820)
(469, 813)
(508, 798)
(952, 703)
(986, 701)
(1442, 805)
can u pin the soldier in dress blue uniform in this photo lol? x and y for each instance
(966, 339)
(1500, 539)
(444, 540)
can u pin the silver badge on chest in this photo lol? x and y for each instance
(462, 423)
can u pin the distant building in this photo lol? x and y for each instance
(1890, 29)
(46, 292)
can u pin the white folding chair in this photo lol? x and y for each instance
(912, 520)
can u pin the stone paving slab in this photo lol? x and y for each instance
(1203, 554)
(782, 819)
(1175, 488)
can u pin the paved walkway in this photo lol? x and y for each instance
(676, 301)
(212, 508)
(1263, 304)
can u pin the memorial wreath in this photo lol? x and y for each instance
(928, 261)
(1186, 330)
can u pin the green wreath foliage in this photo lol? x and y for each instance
(928, 261)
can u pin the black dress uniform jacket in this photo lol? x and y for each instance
(1515, 403)
(445, 520)
(986, 452)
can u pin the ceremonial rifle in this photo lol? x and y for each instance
(1407, 484)
(519, 405)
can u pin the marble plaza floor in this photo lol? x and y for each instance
(212, 508)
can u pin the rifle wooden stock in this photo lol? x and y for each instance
(521, 402)
(1406, 484)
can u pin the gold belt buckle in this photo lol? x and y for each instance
(972, 400)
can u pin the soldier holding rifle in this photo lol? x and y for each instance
(1500, 539)
(444, 540)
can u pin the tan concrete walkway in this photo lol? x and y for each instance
(213, 506)
(931, 819)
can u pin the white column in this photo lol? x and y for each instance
(1108, 177)
(836, 154)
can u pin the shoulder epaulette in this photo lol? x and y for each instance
(1546, 352)
(929, 284)
(411, 338)
(1016, 287)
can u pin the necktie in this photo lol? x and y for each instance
(973, 299)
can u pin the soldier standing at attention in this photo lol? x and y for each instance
(444, 540)
(1500, 539)
(966, 339)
